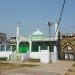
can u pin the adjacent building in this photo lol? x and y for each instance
(12, 41)
(67, 43)
(3, 38)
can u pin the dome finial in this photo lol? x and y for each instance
(38, 29)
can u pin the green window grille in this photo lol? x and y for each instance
(35, 47)
(43, 46)
(51, 49)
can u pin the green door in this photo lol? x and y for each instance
(35, 47)
(23, 47)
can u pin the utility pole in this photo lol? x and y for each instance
(49, 25)
(58, 23)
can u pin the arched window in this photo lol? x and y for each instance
(23, 47)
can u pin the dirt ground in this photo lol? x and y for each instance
(71, 71)
(32, 68)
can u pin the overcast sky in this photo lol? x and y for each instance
(33, 14)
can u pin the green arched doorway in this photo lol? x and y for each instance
(23, 47)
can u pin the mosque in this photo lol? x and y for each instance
(36, 46)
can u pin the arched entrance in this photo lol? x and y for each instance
(23, 47)
(68, 51)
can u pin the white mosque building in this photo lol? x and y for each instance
(36, 46)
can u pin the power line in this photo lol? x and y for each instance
(60, 16)
(61, 12)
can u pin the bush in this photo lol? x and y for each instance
(3, 58)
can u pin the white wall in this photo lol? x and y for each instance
(5, 54)
(44, 56)
(54, 54)
(35, 55)
(69, 56)
(25, 56)
(54, 57)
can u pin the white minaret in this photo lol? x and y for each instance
(17, 36)
(56, 31)
(55, 54)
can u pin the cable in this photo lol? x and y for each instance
(60, 15)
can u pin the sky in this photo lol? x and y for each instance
(33, 14)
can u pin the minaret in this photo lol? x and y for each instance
(17, 36)
(56, 31)
(55, 54)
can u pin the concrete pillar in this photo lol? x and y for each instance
(5, 48)
(11, 48)
(49, 53)
(39, 49)
(17, 47)
(65, 56)
(0, 46)
(30, 45)
(55, 49)
(48, 48)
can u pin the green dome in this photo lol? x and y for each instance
(37, 34)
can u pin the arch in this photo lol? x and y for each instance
(67, 46)
(68, 51)
(23, 47)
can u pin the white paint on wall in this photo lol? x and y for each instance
(5, 54)
(35, 55)
(44, 56)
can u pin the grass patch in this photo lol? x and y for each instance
(73, 65)
(27, 65)
(66, 74)
(72, 69)
(3, 58)
(13, 65)
(34, 60)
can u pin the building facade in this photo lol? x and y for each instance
(68, 47)
(3, 38)
(35, 46)
(12, 41)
